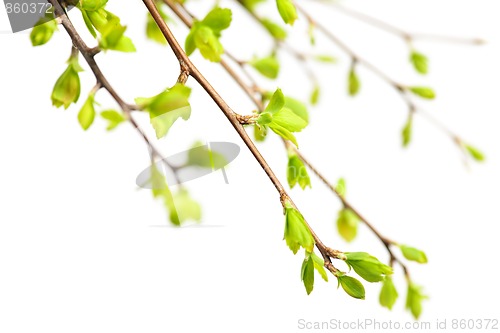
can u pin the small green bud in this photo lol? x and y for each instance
(67, 87)
(42, 33)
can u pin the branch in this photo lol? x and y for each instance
(102, 82)
(407, 36)
(400, 88)
(180, 11)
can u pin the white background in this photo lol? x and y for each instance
(82, 250)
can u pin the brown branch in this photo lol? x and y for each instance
(327, 253)
(387, 242)
(405, 35)
(403, 90)
(102, 82)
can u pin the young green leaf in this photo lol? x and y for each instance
(353, 82)
(168, 106)
(406, 133)
(274, 29)
(297, 171)
(204, 35)
(319, 265)
(109, 26)
(276, 103)
(152, 31)
(351, 286)
(341, 187)
(297, 234)
(315, 95)
(67, 87)
(419, 62)
(160, 189)
(367, 266)
(218, 19)
(43, 31)
(424, 92)
(288, 119)
(183, 208)
(259, 133)
(413, 254)
(414, 298)
(347, 224)
(388, 293)
(297, 107)
(307, 273)
(92, 5)
(284, 133)
(113, 117)
(325, 58)
(287, 11)
(201, 155)
(267, 66)
(475, 153)
(87, 113)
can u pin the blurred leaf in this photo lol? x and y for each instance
(353, 82)
(424, 92)
(267, 66)
(388, 293)
(297, 171)
(475, 153)
(419, 62)
(347, 224)
(315, 95)
(287, 11)
(406, 133)
(414, 298)
(274, 29)
(413, 254)
(113, 117)
(319, 265)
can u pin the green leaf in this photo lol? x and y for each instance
(315, 95)
(274, 29)
(264, 118)
(341, 188)
(153, 32)
(475, 153)
(286, 118)
(43, 31)
(406, 133)
(297, 171)
(414, 298)
(424, 92)
(201, 155)
(208, 43)
(284, 133)
(413, 254)
(419, 62)
(297, 107)
(110, 28)
(307, 273)
(218, 19)
(67, 87)
(319, 265)
(347, 224)
(113, 117)
(276, 103)
(183, 208)
(251, 4)
(165, 108)
(351, 286)
(259, 133)
(325, 58)
(353, 82)
(287, 11)
(88, 23)
(268, 66)
(297, 234)
(87, 113)
(367, 266)
(91, 5)
(388, 293)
